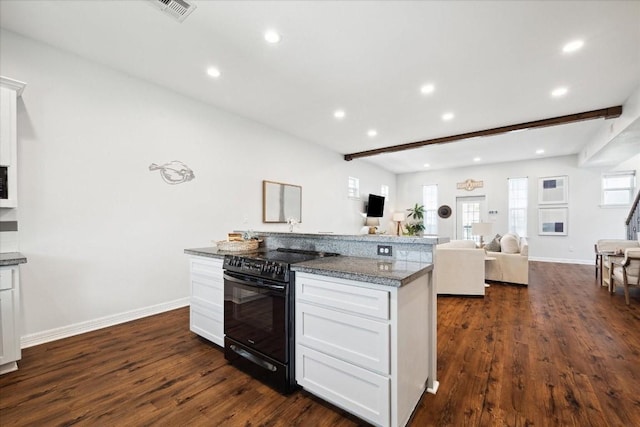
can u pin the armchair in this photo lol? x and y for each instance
(625, 271)
(459, 268)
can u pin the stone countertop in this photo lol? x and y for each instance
(389, 273)
(357, 237)
(213, 252)
(12, 258)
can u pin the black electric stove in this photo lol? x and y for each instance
(259, 313)
(272, 264)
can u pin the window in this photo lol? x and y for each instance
(518, 195)
(430, 201)
(384, 191)
(353, 188)
(617, 188)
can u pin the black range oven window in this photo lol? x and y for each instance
(4, 183)
(255, 313)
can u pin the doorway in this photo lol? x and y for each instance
(468, 210)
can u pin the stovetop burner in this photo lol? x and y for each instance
(273, 264)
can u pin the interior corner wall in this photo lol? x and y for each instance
(587, 221)
(105, 235)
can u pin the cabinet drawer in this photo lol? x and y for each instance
(207, 289)
(369, 302)
(6, 278)
(207, 322)
(354, 339)
(354, 389)
(206, 266)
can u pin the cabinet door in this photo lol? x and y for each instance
(8, 351)
(354, 389)
(354, 339)
(7, 125)
(207, 299)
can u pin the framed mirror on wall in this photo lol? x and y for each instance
(281, 202)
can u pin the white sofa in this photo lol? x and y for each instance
(511, 264)
(459, 268)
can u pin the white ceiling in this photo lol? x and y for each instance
(493, 64)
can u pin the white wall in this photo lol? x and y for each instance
(103, 235)
(587, 222)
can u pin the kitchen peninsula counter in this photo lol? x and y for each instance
(393, 272)
(371, 270)
(12, 258)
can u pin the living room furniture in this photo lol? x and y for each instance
(481, 229)
(459, 268)
(605, 248)
(625, 271)
(512, 261)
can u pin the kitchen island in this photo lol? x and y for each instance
(366, 335)
(365, 329)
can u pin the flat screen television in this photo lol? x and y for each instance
(375, 207)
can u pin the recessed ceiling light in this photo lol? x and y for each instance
(426, 165)
(558, 92)
(339, 114)
(213, 72)
(372, 133)
(447, 116)
(573, 46)
(427, 89)
(272, 36)
(476, 159)
(540, 151)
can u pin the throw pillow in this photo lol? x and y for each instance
(493, 245)
(509, 244)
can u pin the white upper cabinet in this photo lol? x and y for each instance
(10, 91)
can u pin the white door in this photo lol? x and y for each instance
(469, 210)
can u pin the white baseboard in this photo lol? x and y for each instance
(102, 322)
(564, 260)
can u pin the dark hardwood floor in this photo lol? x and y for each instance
(562, 352)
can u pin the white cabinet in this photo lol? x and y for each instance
(9, 307)
(207, 298)
(365, 348)
(10, 90)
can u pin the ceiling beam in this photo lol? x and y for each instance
(606, 113)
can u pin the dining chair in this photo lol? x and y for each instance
(625, 271)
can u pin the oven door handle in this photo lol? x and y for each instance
(256, 284)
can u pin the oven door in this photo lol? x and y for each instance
(256, 315)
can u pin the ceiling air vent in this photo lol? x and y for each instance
(177, 9)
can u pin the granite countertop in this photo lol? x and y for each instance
(389, 273)
(382, 272)
(12, 258)
(356, 237)
(213, 252)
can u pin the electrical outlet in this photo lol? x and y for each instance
(384, 250)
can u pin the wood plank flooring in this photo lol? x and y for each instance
(562, 352)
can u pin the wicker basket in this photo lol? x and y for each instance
(238, 246)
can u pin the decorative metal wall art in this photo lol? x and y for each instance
(174, 172)
(470, 185)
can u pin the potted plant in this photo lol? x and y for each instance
(415, 220)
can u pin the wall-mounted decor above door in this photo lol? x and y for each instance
(470, 185)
